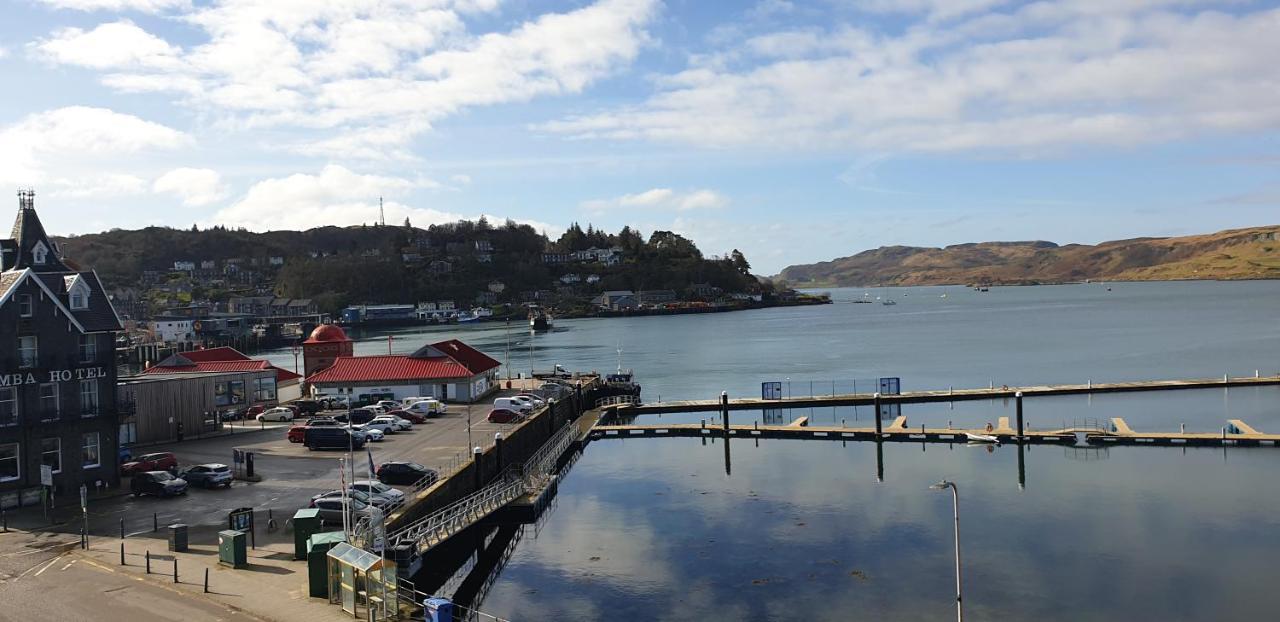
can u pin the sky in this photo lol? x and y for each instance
(796, 131)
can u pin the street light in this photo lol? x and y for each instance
(955, 501)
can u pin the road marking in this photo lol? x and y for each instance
(46, 566)
(69, 564)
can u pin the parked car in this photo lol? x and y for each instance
(525, 399)
(126, 455)
(278, 413)
(320, 422)
(396, 422)
(307, 407)
(538, 402)
(157, 483)
(507, 403)
(370, 434)
(162, 461)
(410, 401)
(405, 473)
(390, 405)
(247, 413)
(331, 402)
(504, 415)
(331, 438)
(296, 433)
(374, 487)
(426, 408)
(377, 501)
(382, 425)
(331, 510)
(412, 417)
(209, 475)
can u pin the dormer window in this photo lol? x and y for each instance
(77, 293)
(79, 300)
(39, 253)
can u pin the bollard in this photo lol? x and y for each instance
(724, 409)
(206, 580)
(477, 455)
(122, 554)
(1182, 428)
(175, 568)
(876, 414)
(148, 555)
(121, 528)
(1018, 404)
(497, 449)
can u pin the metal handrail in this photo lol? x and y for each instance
(539, 467)
(441, 524)
(618, 400)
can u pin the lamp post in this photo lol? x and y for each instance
(955, 504)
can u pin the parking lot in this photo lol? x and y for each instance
(290, 472)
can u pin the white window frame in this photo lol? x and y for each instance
(45, 414)
(9, 395)
(88, 345)
(34, 349)
(26, 305)
(58, 451)
(17, 459)
(39, 253)
(79, 299)
(97, 450)
(92, 385)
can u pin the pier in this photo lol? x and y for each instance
(950, 395)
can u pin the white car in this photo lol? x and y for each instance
(276, 414)
(526, 400)
(382, 425)
(426, 407)
(370, 434)
(388, 405)
(537, 401)
(397, 422)
(375, 487)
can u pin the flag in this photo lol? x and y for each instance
(369, 452)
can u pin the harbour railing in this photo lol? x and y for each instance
(438, 526)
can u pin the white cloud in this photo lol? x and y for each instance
(660, 199)
(115, 45)
(339, 196)
(143, 6)
(195, 186)
(77, 139)
(367, 77)
(975, 76)
(461, 179)
(106, 185)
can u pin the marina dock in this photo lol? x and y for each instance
(949, 395)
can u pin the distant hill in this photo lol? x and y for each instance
(1236, 254)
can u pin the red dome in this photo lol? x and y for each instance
(325, 333)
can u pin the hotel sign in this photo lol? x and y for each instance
(55, 375)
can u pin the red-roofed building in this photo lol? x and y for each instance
(447, 370)
(287, 385)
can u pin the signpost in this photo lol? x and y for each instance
(46, 488)
(84, 512)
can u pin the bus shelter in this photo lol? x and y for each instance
(362, 582)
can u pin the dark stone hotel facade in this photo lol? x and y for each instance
(57, 369)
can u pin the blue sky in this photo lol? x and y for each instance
(795, 131)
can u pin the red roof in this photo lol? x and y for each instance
(326, 333)
(474, 360)
(389, 368)
(172, 366)
(215, 354)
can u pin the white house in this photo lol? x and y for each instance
(172, 329)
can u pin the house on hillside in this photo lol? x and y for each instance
(655, 296)
(440, 266)
(570, 279)
(184, 266)
(483, 246)
(208, 264)
(275, 261)
(616, 300)
(557, 258)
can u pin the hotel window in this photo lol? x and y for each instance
(79, 300)
(9, 463)
(8, 405)
(28, 352)
(48, 400)
(25, 307)
(89, 397)
(88, 348)
(39, 253)
(51, 453)
(89, 455)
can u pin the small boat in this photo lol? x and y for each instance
(943, 296)
(467, 318)
(888, 303)
(981, 438)
(539, 320)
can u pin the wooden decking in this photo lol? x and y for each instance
(1236, 433)
(949, 395)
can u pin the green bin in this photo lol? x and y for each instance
(231, 548)
(305, 522)
(318, 546)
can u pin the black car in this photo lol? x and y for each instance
(330, 437)
(158, 483)
(405, 473)
(306, 407)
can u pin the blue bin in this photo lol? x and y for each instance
(438, 609)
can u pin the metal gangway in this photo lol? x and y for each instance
(618, 400)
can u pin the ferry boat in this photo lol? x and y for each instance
(539, 320)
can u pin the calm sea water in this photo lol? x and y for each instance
(783, 530)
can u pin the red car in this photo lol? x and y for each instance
(163, 461)
(297, 433)
(413, 417)
(502, 415)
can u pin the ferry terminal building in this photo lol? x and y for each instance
(57, 369)
(447, 370)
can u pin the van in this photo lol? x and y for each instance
(507, 403)
(410, 401)
(425, 407)
(331, 438)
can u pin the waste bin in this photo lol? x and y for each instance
(438, 609)
(178, 537)
(231, 548)
(318, 546)
(305, 522)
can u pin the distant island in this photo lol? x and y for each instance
(1252, 253)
